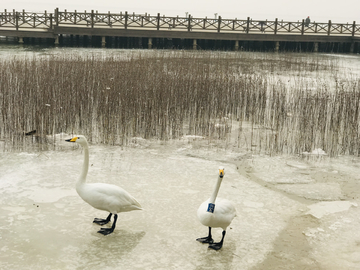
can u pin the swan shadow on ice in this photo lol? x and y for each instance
(223, 259)
(110, 250)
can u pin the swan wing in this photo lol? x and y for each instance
(108, 197)
(224, 212)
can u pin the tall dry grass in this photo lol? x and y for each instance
(112, 99)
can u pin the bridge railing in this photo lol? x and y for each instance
(46, 21)
(26, 20)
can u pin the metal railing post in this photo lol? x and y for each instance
(247, 25)
(126, 19)
(17, 20)
(219, 24)
(302, 26)
(158, 22)
(353, 29)
(57, 16)
(189, 23)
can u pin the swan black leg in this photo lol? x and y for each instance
(218, 246)
(106, 231)
(206, 240)
(101, 221)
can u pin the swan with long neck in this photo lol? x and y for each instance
(216, 213)
(106, 197)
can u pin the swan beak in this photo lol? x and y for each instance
(72, 140)
(221, 173)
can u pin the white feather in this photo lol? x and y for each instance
(224, 211)
(106, 197)
(223, 214)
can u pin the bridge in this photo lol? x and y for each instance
(46, 25)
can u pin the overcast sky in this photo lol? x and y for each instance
(319, 10)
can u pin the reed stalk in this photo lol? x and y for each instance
(166, 95)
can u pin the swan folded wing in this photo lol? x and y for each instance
(225, 212)
(224, 206)
(109, 198)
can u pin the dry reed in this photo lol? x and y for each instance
(112, 99)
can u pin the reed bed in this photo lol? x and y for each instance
(166, 95)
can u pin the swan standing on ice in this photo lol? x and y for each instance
(216, 213)
(102, 196)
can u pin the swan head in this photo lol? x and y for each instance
(79, 139)
(221, 172)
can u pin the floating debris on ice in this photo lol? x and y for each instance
(316, 152)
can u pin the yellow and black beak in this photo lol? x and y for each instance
(72, 140)
(221, 173)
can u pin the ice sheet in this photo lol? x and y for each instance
(321, 209)
(44, 222)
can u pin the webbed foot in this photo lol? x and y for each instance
(205, 240)
(106, 231)
(101, 221)
(216, 246)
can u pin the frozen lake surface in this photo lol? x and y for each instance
(292, 212)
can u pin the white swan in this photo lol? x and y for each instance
(216, 213)
(102, 196)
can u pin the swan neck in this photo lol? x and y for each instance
(85, 167)
(216, 190)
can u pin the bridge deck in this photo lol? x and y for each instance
(50, 25)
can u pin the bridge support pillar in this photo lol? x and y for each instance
(56, 40)
(103, 42)
(236, 45)
(21, 40)
(150, 43)
(277, 46)
(194, 44)
(316, 46)
(352, 47)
